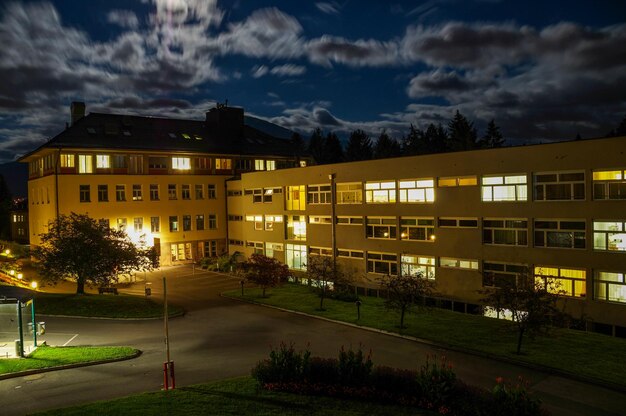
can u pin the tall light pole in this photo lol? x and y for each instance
(333, 219)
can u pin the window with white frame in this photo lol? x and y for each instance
(270, 248)
(138, 224)
(609, 235)
(560, 233)
(270, 165)
(380, 192)
(382, 263)
(137, 192)
(504, 188)
(564, 281)
(349, 193)
(257, 220)
(270, 220)
(452, 222)
(451, 262)
(609, 286)
(350, 220)
(453, 181)
(295, 198)
(320, 219)
(500, 274)
(416, 265)
(609, 184)
(505, 231)
(295, 256)
(319, 194)
(154, 192)
(259, 164)
(296, 227)
(381, 227)
(257, 246)
(321, 251)
(85, 164)
(67, 160)
(559, 186)
(416, 190)
(349, 253)
(103, 161)
(417, 229)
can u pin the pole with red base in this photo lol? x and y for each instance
(169, 377)
(168, 365)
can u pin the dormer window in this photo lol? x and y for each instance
(172, 135)
(186, 136)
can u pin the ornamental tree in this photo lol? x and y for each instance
(77, 246)
(325, 273)
(265, 271)
(406, 291)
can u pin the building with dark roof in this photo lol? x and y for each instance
(160, 179)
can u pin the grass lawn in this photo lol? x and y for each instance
(238, 396)
(45, 357)
(583, 353)
(103, 306)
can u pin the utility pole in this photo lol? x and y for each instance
(168, 365)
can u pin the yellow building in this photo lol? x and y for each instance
(468, 220)
(161, 180)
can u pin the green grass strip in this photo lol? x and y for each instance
(240, 396)
(100, 306)
(585, 354)
(46, 357)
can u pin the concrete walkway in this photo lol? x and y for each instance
(221, 338)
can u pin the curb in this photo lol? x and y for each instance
(175, 315)
(549, 370)
(67, 366)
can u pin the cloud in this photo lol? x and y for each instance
(434, 83)
(327, 50)
(328, 8)
(288, 70)
(259, 70)
(123, 18)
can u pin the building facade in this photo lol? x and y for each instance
(160, 180)
(467, 220)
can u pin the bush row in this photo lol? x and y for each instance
(353, 375)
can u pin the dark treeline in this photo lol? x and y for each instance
(459, 134)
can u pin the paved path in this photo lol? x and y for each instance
(221, 338)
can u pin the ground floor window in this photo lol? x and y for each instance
(295, 255)
(210, 248)
(412, 265)
(181, 251)
(569, 282)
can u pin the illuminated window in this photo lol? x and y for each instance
(449, 222)
(320, 219)
(270, 165)
(504, 188)
(137, 193)
(199, 191)
(185, 192)
(349, 253)
(296, 227)
(120, 193)
(181, 163)
(505, 231)
(257, 219)
(186, 222)
(295, 256)
(295, 198)
(381, 227)
(417, 229)
(155, 224)
(103, 193)
(67, 161)
(380, 192)
(171, 191)
(321, 251)
(415, 265)
(610, 286)
(416, 190)
(303, 163)
(560, 233)
(468, 264)
(382, 263)
(318, 194)
(270, 220)
(138, 224)
(103, 161)
(559, 186)
(212, 221)
(85, 193)
(257, 246)
(121, 224)
(186, 136)
(211, 191)
(173, 223)
(609, 184)
(457, 181)
(259, 164)
(270, 248)
(504, 274)
(349, 193)
(609, 235)
(199, 222)
(568, 282)
(154, 192)
(350, 220)
(223, 164)
(85, 164)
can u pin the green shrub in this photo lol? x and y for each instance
(514, 399)
(323, 370)
(436, 380)
(284, 365)
(354, 367)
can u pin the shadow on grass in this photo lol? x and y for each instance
(248, 397)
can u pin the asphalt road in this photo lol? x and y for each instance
(221, 338)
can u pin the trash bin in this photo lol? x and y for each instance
(41, 328)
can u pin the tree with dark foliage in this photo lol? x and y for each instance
(359, 146)
(406, 291)
(386, 147)
(317, 143)
(265, 271)
(333, 152)
(492, 137)
(461, 133)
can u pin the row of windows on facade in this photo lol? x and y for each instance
(607, 285)
(552, 186)
(84, 163)
(555, 233)
(184, 251)
(154, 192)
(174, 224)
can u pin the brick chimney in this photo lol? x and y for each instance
(77, 111)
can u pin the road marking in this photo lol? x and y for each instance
(71, 339)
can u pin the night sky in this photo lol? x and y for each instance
(544, 70)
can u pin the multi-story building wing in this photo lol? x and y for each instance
(468, 220)
(159, 179)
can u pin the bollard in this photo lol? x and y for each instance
(242, 283)
(358, 309)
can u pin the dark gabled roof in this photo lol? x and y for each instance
(126, 132)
